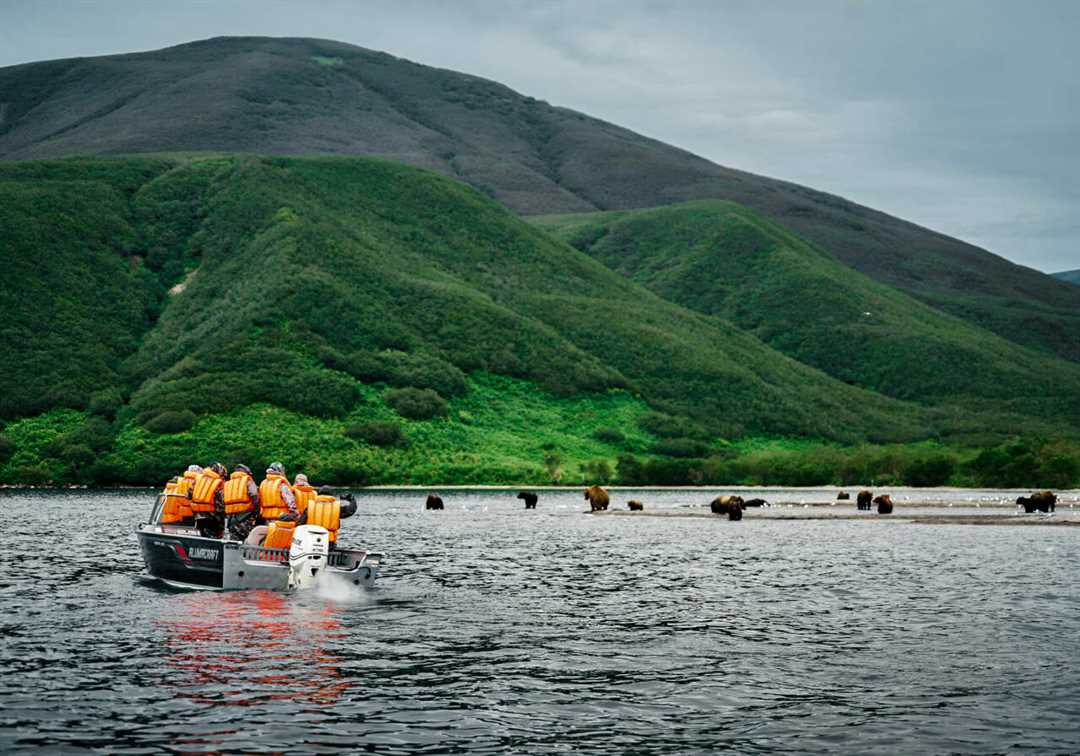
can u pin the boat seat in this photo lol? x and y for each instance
(278, 536)
(257, 535)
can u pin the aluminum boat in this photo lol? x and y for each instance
(180, 556)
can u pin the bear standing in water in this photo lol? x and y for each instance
(433, 502)
(732, 506)
(597, 497)
(884, 504)
(1043, 501)
(530, 499)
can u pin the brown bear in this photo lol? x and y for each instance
(843, 496)
(884, 504)
(863, 500)
(530, 499)
(433, 502)
(597, 498)
(1043, 501)
(732, 506)
(635, 506)
(755, 503)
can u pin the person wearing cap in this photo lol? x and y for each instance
(208, 501)
(304, 493)
(187, 480)
(241, 497)
(276, 498)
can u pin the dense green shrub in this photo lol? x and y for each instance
(248, 376)
(632, 471)
(377, 433)
(609, 435)
(78, 456)
(416, 404)
(1010, 465)
(668, 426)
(256, 459)
(102, 472)
(679, 447)
(1028, 463)
(398, 369)
(1059, 469)
(106, 402)
(170, 421)
(930, 471)
(597, 471)
(33, 475)
(7, 448)
(95, 433)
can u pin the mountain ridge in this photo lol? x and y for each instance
(721, 259)
(336, 272)
(306, 96)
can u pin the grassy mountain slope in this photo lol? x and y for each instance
(75, 299)
(722, 259)
(1072, 276)
(501, 430)
(303, 96)
(304, 280)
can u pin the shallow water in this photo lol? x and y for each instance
(496, 629)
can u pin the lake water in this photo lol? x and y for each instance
(495, 629)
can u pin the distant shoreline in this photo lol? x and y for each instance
(580, 487)
(1066, 518)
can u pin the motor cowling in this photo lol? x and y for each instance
(308, 555)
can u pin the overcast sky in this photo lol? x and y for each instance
(960, 115)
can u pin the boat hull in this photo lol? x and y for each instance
(181, 558)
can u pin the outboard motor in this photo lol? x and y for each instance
(308, 555)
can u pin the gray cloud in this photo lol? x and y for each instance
(961, 116)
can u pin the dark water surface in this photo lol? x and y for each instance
(494, 629)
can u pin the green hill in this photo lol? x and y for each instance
(306, 96)
(722, 259)
(1072, 276)
(174, 293)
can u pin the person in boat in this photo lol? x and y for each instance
(170, 508)
(241, 497)
(187, 481)
(277, 504)
(304, 493)
(177, 507)
(327, 510)
(208, 501)
(276, 498)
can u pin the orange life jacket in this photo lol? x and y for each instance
(170, 510)
(183, 489)
(325, 512)
(187, 480)
(304, 496)
(206, 486)
(237, 499)
(279, 536)
(271, 505)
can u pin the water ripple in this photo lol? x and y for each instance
(499, 630)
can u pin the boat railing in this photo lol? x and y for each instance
(346, 559)
(260, 554)
(351, 558)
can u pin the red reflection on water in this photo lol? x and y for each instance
(250, 647)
